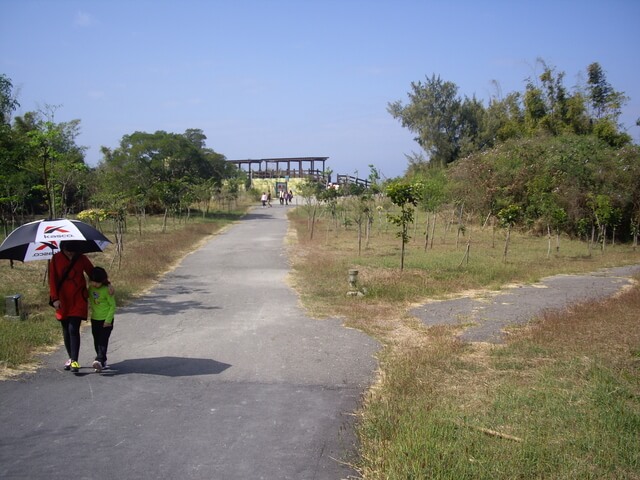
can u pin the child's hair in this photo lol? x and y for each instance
(99, 275)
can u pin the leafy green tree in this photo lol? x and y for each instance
(8, 100)
(472, 119)
(161, 171)
(52, 154)
(606, 104)
(15, 183)
(504, 119)
(603, 213)
(310, 191)
(534, 108)
(374, 180)
(605, 101)
(448, 127)
(328, 197)
(361, 209)
(406, 196)
(433, 114)
(435, 186)
(508, 218)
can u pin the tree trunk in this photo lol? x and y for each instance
(466, 254)
(548, 241)
(506, 245)
(426, 233)
(313, 221)
(459, 225)
(486, 220)
(493, 234)
(164, 220)
(433, 228)
(402, 255)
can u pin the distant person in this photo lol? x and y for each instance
(68, 295)
(103, 308)
(269, 199)
(281, 196)
(289, 196)
(264, 199)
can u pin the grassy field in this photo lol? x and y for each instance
(560, 400)
(145, 258)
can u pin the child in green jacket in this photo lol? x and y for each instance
(103, 309)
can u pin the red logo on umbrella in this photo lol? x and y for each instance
(55, 229)
(44, 245)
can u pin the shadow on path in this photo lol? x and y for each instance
(155, 304)
(168, 366)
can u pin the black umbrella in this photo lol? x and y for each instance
(41, 239)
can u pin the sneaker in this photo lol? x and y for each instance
(67, 365)
(97, 366)
(75, 367)
(105, 366)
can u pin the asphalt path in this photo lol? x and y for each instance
(217, 373)
(485, 317)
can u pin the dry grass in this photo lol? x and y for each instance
(560, 400)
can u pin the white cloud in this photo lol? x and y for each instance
(95, 94)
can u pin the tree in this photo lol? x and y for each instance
(361, 213)
(606, 105)
(433, 194)
(433, 114)
(8, 101)
(310, 191)
(406, 196)
(604, 100)
(508, 217)
(15, 183)
(52, 154)
(161, 170)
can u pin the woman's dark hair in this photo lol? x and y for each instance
(71, 246)
(99, 275)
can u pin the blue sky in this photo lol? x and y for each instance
(277, 78)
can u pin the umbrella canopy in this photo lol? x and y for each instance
(41, 239)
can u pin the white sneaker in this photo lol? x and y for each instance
(97, 366)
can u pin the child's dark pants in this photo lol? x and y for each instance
(100, 339)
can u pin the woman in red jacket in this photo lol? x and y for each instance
(68, 292)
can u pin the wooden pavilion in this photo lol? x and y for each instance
(296, 167)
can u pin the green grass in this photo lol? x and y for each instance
(547, 405)
(145, 258)
(561, 400)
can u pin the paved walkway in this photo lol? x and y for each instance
(484, 317)
(217, 374)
